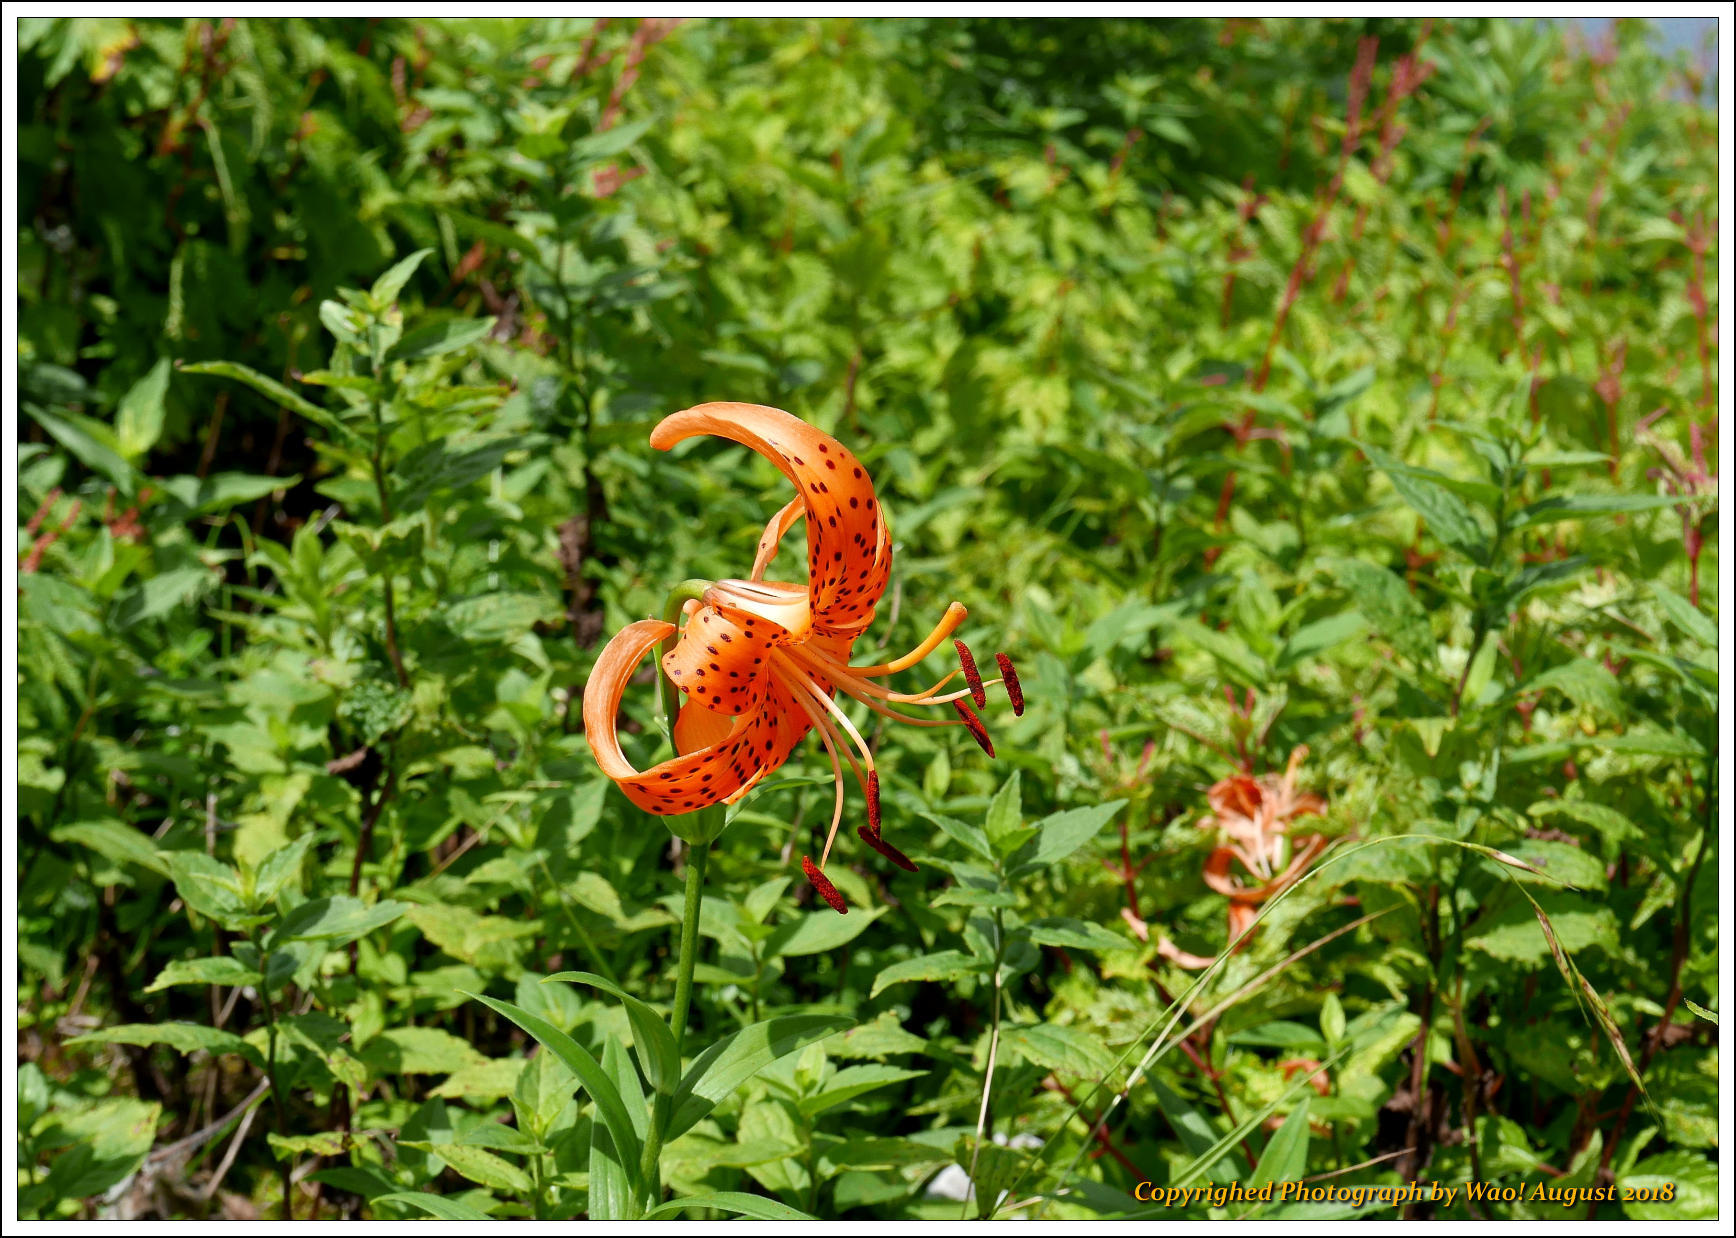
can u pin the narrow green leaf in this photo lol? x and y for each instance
(651, 1035)
(437, 1206)
(1285, 1156)
(738, 1202)
(590, 1074)
(275, 391)
(738, 1057)
(1587, 506)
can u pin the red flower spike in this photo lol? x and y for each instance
(968, 664)
(1010, 680)
(886, 849)
(824, 887)
(975, 726)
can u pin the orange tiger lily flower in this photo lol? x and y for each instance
(1252, 817)
(761, 663)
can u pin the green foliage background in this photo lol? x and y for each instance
(321, 545)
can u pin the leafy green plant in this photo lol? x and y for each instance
(1264, 385)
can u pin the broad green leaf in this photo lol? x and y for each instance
(1063, 833)
(851, 1082)
(1231, 651)
(969, 836)
(219, 970)
(210, 887)
(1611, 824)
(91, 442)
(606, 142)
(817, 933)
(434, 338)
(157, 596)
(543, 1088)
(110, 1141)
(1075, 934)
(1321, 636)
(1678, 1186)
(139, 416)
(1583, 681)
(1445, 513)
(479, 1165)
(1512, 935)
(1588, 506)
(337, 919)
(418, 1051)
(181, 1037)
(280, 867)
(386, 289)
(1004, 821)
(1686, 616)
(222, 491)
(944, 965)
(317, 1143)
(1060, 1047)
(115, 840)
(498, 616)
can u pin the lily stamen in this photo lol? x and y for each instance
(955, 615)
(837, 673)
(968, 664)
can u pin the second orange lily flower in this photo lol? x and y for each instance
(1252, 818)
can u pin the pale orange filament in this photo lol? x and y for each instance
(837, 671)
(830, 706)
(853, 688)
(829, 738)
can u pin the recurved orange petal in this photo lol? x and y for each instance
(723, 771)
(849, 548)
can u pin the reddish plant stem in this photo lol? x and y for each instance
(1100, 1132)
(1361, 74)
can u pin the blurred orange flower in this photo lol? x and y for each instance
(1252, 818)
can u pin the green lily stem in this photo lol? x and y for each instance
(690, 590)
(697, 856)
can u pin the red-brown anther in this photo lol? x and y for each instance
(975, 726)
(1010, 681)
(824, 887)
(873, 803)
(886, 849)
(968, 664)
